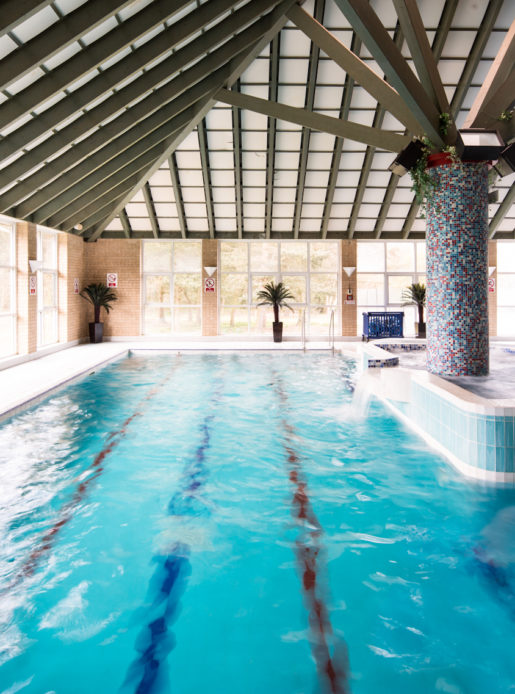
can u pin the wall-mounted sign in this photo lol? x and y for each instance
(209, 284)
(349, 298)
(491, 284)
(76, 285)
(112, 280)
(33, 283)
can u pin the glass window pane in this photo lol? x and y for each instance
(157, 256)
(292, 321)
(49, 293)
(319, 318)
(294, 257)
(48, 250)
(186, 288)
(370, 257)
(233, 256)
(234, 320)
(264, 256)
(6, 336)
(187, 320)
(157, 289)
(370, 290)
(297, 286)
(506, 290)
(505, 256)
(5, 290)
(187, 256)
(396, 285)
(506, 322)
(258, 282)
(400, 257)
(410, 318)
(261, 319)
(234, 289)
(157, 321)
(421, 256)
(323, 256)
(49, 327)
(323, 289)
(5, 246)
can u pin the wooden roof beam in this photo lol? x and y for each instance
(177, 193)
(206, 177)
(124, 219)
(502, 211)
(356, 68)
(271, 135)
(316, 121)
(15, 12)
(151, 210)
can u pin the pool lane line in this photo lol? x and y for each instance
(156, 640)
(333, 669)
(48, 539)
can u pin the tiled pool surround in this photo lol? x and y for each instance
(476, 434)
(457, 269)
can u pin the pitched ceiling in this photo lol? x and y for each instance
(250, 119)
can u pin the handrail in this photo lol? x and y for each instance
(303, 330)
(331, 332)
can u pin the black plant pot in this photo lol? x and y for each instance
(278, 331)
(420, 329)
(96, 332)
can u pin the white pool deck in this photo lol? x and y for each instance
(32, 380)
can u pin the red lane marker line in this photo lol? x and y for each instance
(332, 669)
(48, 539)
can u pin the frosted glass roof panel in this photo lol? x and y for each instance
(35, 25)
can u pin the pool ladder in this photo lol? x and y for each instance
(331, 332)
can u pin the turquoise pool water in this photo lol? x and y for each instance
(227, 524)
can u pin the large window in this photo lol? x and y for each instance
(7, 290)
(172, 287)
(506, 288)
(309, 269)
(384, 269)
(47, 288)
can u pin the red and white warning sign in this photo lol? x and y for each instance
(491, 284)
(76, 285)
(209, 284)
(32, 285)
(112, 280)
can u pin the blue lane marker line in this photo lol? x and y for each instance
(156, 640)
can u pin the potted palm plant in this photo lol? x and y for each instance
(275, 295)
(415, 294)
(101, 297)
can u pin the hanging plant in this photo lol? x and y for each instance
(422, 184)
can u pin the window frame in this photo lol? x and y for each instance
(12, 313)
(43, 309)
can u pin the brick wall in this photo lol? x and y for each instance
(209, 299)
(349, 311)
(122, 256)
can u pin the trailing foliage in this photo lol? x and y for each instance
(100, 296)
(422, 183)
(415, 294)
(275, 295)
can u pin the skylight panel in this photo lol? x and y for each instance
(67, 6)
(317, 178)
(365, 224)
(225, 224)
(257, 71)
(320, 160)
(165, 209)
(116, 58)
(104, 28)
(293, 70)
(254, 178)
(287, 160)
(139, 223)
(252, 209)
(378, 178)
(343, 195)
(253, 160)
(36, 24)
(337, 225)
(288, 126)
(288, 141)
(315, 195)
(69, 120)
(160, 178)
(294, 43)
(190, 194)
(134, 7)
(330, 73)
(312, 210)
(219, 118)
(382, 160)
(340, 210)
(253, 121)
(15, 125)
(224, 179)
(169, 223)
(115, 225)
(283, 210)
(362, 99)
(221, 160)
(292, 96)
(334, 17)
(328, 97)
(257, 225)
(310, 224)
(252, 140)
(370, 210)
(399, 210)
(389, 224)
(391, 123)
(222, 194)
(352, 160)
(348, 179)
(188, 160)
(138, 196)
(62, 56)
(282, 224)
(162, 194)
(286, 178)
(225, 209)
(136, 209)
(386, 12)
(141, 40)
(458, 44)
(220, 140)
(83, 80)
(255, 194)
(321, 142)
(260, 91)
(26, 81)
(361, 117)
(189, 143)
(193, 209)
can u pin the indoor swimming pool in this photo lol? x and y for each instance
(228, 523)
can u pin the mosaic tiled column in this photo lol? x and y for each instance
(457, 270)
